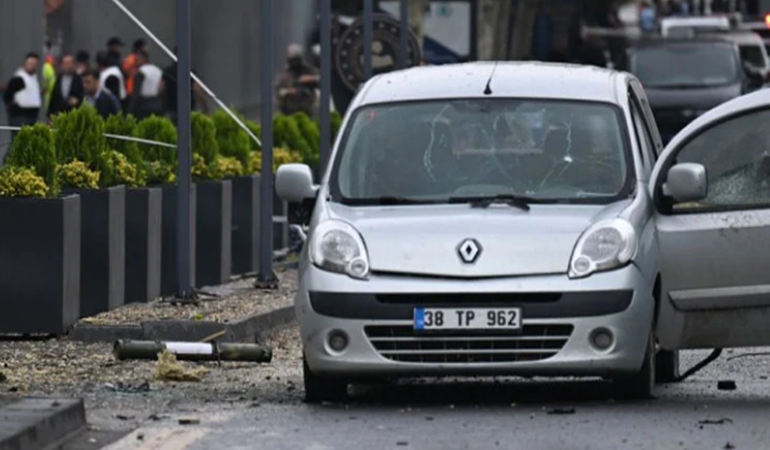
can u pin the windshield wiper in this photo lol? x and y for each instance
(517, 201)
(387, 200)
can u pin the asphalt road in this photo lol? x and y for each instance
(479, 414)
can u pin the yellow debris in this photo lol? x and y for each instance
(169, 369)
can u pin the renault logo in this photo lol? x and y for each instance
(469, 250)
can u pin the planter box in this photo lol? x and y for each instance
(168, 278)
(214, 233)
(144, 209)
(102, 249)
(245, 235)
(39, 265)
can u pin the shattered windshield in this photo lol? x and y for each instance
(682, 66)
(434, 151)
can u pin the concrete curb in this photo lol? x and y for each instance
(246, 330)
(38, 423)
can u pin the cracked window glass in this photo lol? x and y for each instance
(736, 155)
(432, 151)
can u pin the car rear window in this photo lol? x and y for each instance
(685, 65)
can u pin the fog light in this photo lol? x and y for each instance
(338, 340)
(358, 268)
(602, 339)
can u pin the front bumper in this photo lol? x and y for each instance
(555, 340)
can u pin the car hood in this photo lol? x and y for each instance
(698, 99)
(424, 240)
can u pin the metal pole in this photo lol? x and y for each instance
(368, 32)
(171, 55)
(325, 7)
(184, 91)
(403, 56)
(266, 276)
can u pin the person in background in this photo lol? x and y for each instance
(68, 91)
(131, 64)
(23, 96)
(100, 98)
(147, 99)
(110, 77)
(169, 80)
(648, 17)
(49, 78)
(115, 51)
(296, 85)
(82, 62)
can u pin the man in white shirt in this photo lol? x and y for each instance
(147, 97)
(23, 97)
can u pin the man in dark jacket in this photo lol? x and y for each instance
(23, 95)
(68, 91)
(102, 99)
(170, 93)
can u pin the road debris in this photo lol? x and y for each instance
(722, 421)
(189, 421)
(3, 378)
(124, 417)
(726, 385)
(729, 445)
(168, 369)
(193, 351)
(128, 388)
(561, 411)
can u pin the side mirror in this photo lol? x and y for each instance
(686, 182)
(294, 183)
(754, 74)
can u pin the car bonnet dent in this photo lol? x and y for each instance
(423, 240)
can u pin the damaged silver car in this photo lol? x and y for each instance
(522, 219)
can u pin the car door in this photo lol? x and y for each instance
(715, 252)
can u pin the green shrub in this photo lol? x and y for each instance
(34, 148)
(233, 140)
(160, 129)
(159, 172)
(228, 167)
(21, 182)
(79, 135)
(77, 175)
(288, 135)
(204, 144)
(256, 129)
(281, 156)
(311, 134)
(116, 169)
(123, 125)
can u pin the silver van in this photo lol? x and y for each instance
(523, 219)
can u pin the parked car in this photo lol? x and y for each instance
(521, 219)
(751, 47)
(686, 77)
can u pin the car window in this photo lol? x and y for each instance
(736, 155)
(643, 136)
(685, 65)
(753, 54)
(434, 150)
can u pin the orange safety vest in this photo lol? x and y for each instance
(130, 67)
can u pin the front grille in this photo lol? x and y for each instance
(402, 343)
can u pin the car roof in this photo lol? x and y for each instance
(709, 20)
(738, 37)
(701, 40)
(510, 80)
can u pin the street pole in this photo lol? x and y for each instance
(325, 7)
(266, 277)
(403, 55)
(368, 32)
(184, 89)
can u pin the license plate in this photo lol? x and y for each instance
(467, 318)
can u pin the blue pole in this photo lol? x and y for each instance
(184, 182)
(266, 277)
(368, 38)
(325, 8)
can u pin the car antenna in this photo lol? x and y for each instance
(488, 89)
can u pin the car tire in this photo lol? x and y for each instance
(640, 385)
(667, 366)
(319, 389)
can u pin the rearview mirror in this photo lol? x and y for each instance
(294, 183)
(686, 182)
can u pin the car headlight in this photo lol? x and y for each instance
(337, 247)
(606, 245)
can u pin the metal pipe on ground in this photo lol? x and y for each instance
(193, 351)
